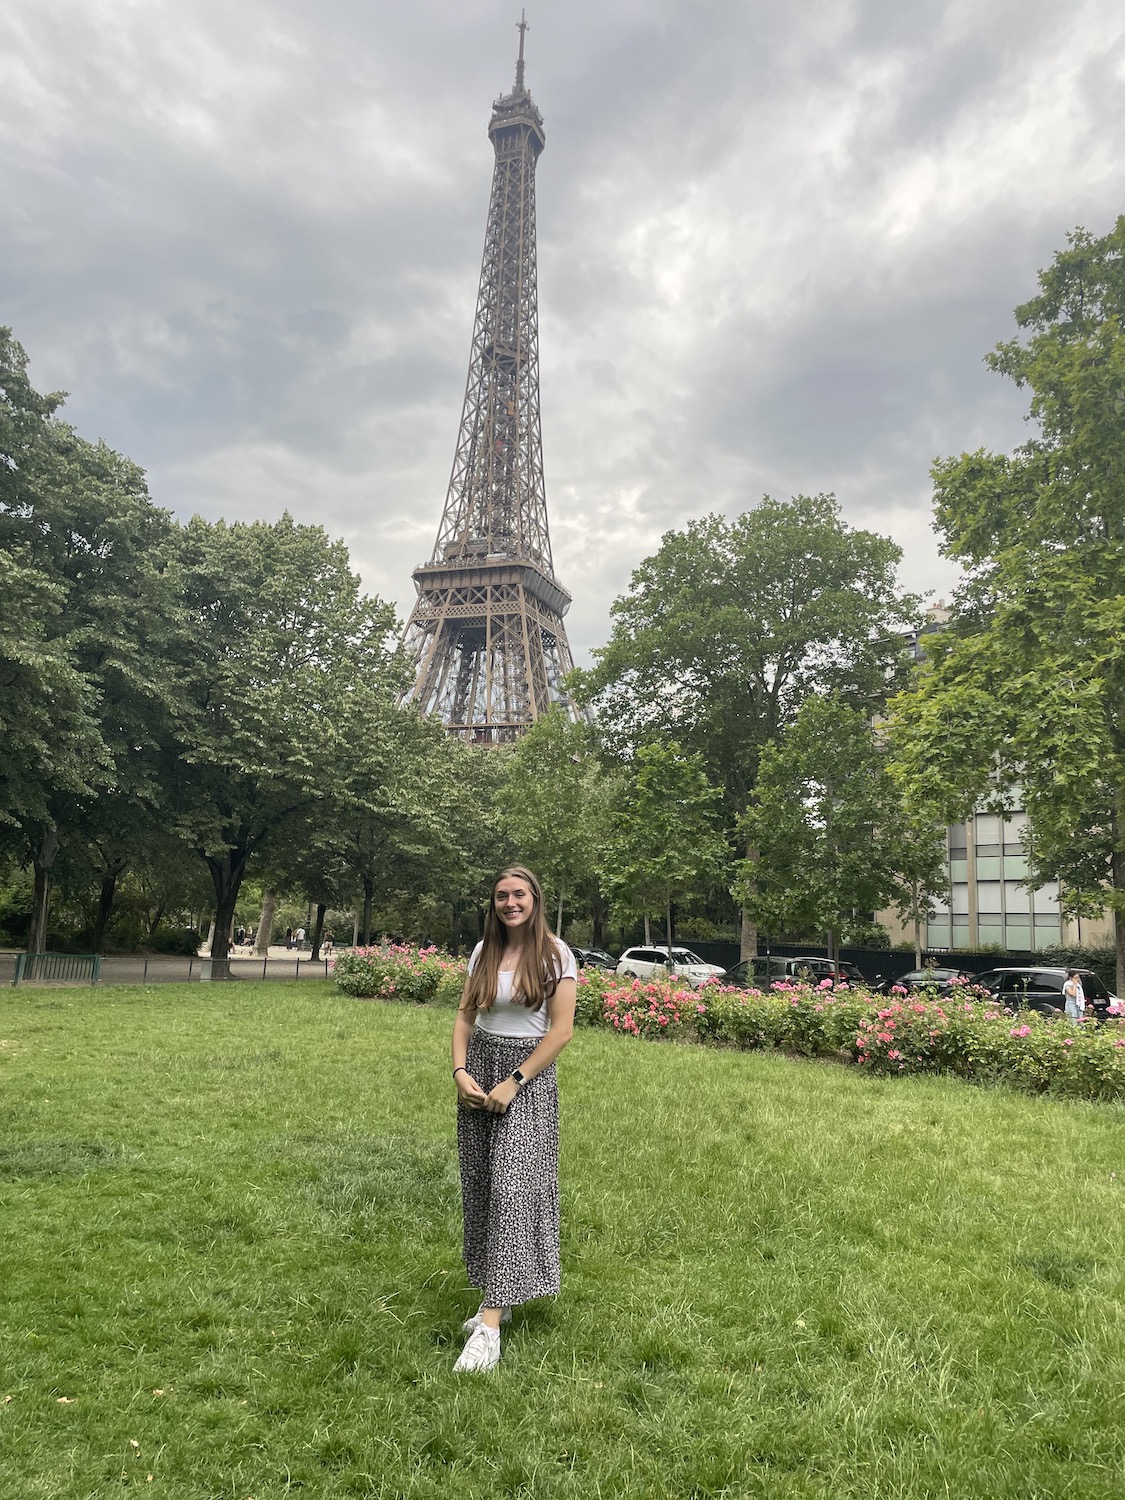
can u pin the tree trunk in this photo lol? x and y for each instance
(105, 906)
(155, 920)
(559, 915)
(265, 924)
(1118, 868)
(917, 939)
(41, 864)
(227, 872)
(318, 930)
(648, 932)
(748, 936)
(598, 913)
(668, 935)
(355, 928)
(368, 902)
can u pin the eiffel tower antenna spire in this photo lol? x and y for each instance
(523, 28)
(486, 633)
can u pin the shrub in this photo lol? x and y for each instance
(967, 1033)
(399, 972)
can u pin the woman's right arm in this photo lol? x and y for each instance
(469, 1090)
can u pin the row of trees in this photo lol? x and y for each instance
(225, 697)
(215, 694)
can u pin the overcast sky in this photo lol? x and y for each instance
(775, 243)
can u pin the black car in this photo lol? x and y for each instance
(939, 981)
(763, 973)
(1041, 990)
(593, 958)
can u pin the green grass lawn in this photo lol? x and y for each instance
(230, 1260)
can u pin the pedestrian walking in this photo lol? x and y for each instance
(515, 1017)
(1074, 996)
(289, 937)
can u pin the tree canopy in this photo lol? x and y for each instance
(1023, 701)
(731, 625)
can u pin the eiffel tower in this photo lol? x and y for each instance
(486, 634)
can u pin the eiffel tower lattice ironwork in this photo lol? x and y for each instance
(486, 633)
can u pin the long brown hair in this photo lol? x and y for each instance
(540, 962)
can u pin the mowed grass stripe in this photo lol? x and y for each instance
(781, 1278)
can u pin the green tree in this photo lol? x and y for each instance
(732, 624)
(85, 616)
(830, 835)
(920, 873)
(482, 841)
(551, 804)
(387, 820)
(1022, 700)
(665, 837)
(279, 646)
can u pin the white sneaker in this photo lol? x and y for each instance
(470, 1325)
(481, 1353)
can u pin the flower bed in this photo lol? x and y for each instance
(967, 1034)
(418, 976)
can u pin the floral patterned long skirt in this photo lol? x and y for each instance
(510, 1178)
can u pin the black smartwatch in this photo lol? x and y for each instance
(517, 1078)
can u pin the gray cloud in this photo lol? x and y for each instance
(775, 243)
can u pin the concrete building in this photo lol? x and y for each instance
(987, 905)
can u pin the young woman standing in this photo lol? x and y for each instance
(516, 1016)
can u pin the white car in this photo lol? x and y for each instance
(652, 963)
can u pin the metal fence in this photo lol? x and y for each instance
(140, 968)
(57, 968)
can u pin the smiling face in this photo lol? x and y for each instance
(513, 900)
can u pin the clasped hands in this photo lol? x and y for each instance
(470, 1093)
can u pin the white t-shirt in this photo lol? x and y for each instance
(505, 1016)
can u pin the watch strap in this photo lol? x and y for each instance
(517, 1078)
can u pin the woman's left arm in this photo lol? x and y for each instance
(560, 1009)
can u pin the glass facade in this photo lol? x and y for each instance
(987, 902)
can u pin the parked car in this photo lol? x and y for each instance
(764, 972)
(594, 958)
(652, 963)
(941, 981)
(1041, 989)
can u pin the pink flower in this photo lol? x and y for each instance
(1020, 1031)
(884, 1036)
(893, 1055)
(1068, 1041)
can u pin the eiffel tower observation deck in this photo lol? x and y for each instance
(486, 634)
